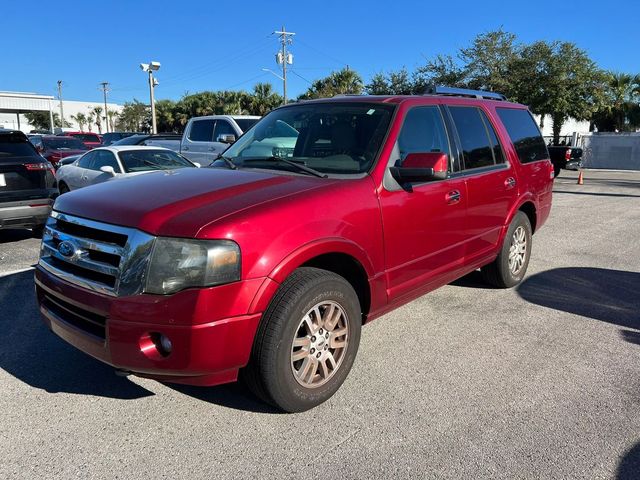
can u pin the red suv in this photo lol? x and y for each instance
(322, 217)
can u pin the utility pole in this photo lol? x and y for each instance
(283, 58)
(61, 109)
(105, 89)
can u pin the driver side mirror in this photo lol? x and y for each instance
(108, 169)
(228, 138)
(422, 167)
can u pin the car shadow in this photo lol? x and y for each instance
(34, 355)
(607, 295)
(629, 466)
(230, 395)
(16, 235)
(473, 280)
(597, 194)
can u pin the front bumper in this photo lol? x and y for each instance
(211, 330)
(25, 213)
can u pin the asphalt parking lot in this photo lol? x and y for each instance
(542, 381)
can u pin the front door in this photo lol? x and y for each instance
(198, 143)
(424, 224)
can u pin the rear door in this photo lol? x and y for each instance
(198, 145)
(23, 172)
(491, 181)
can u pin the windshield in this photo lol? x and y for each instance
(131, 140)
(144, 160)
(339, 138)
(86, 137)
(64, 143)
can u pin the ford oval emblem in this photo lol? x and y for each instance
(66, 249)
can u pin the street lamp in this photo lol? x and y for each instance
(150, 68)
(273, 73)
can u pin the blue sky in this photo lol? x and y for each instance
(211, 45)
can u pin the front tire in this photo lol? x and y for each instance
(509, 268)
(556, 171)
(307, 341)
(62, 188)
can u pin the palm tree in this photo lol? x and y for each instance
(624, 90)
(112, 119)
(80, 119)
(264, 99)
(97, 111)
(341, 82)
(90, 119)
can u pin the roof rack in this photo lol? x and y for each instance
(463, 92)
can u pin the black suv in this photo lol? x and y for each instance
(27, 183)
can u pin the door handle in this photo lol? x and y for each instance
(453, 196)
(185, 148)
(510, 182)
(212, 149)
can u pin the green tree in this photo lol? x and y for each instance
(42, 120)
(134, 117)
(97, 112)
(165, 115)
(392, 83)
(263, 99)
(345, 81)
(112, 118)
(621, 110)
(441, 70)
(557, 79)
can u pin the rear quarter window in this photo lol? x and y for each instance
(524, 134)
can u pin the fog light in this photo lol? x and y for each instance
(162, 343)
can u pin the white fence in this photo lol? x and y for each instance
(620, 151)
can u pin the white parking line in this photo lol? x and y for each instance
(13, 272)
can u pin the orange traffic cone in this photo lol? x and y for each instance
(580, 179)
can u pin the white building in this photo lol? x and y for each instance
(14, 104)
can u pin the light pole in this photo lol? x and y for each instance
(150, 68)
(105, 89)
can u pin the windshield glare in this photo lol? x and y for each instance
(328, 137)
(144, 160)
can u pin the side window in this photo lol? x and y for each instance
(498, 155)
(524, 134)
(223, 128)
(87, 160)
(201, 131)
(477, 149)
(423, 132)
(105, 159)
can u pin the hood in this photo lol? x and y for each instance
(180, 202)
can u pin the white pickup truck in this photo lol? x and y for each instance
(205, 138)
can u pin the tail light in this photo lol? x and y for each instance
(567, 154)
(40, 166)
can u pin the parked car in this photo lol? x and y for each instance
(204, 138)
(267, 266)
(565, 157)
(105, 163)
(91, 140)
(111, 137)
(55, 147)
(165, 140)
(27, 183)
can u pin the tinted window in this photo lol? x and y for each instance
(246, 123)
(524, 134)
(143, 160)
(498, 156)
(131, 140)
(64, 143)
(223, 128)
(87, 160)
(476, 147)
(201, 131)
(15, 146)
(105, 159)
(423, 132)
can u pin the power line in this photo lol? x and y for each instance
(283, 58)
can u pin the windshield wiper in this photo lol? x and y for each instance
(152, 164)
(300, 167)
(228, 161)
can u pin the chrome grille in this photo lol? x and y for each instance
(101, 257)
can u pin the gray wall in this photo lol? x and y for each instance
(620, 151)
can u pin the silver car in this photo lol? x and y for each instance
(105, 163)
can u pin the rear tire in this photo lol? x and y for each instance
(306, 342)
(509, 268)
(556, 171)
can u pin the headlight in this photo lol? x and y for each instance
(178, 263)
